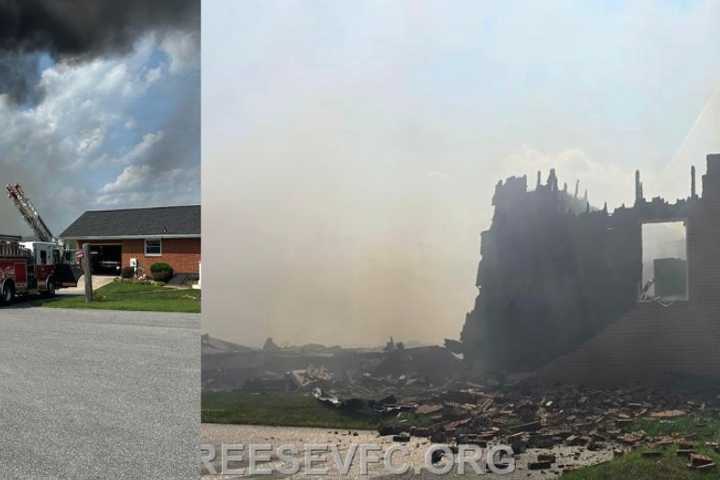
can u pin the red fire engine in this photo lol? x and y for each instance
(37, 267)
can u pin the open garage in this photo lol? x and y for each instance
(106, 259)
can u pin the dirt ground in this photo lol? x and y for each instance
(217, 434)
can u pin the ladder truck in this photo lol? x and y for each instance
(36, 267)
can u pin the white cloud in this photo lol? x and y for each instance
(141, 150)
(91, 141)
(182, 49)
(80, 106)
(115, 79)
(130, 178)
(153, 75)
(141, 185)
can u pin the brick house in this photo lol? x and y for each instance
(140, 237)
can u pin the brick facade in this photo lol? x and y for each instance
(182, 254)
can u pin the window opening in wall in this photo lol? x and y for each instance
(664, 267)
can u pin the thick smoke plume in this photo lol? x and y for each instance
(77, 31)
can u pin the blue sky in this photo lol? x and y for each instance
(358, 143)
(114, 131)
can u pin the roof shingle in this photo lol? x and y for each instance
(136, 222)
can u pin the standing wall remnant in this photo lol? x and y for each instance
(555, 273)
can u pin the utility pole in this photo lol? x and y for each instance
(87, 272)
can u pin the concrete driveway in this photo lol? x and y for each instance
(98, 281)
(89, 394)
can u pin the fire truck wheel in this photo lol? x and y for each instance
(50, 288)
(8, 292)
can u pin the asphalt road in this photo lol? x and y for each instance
(98, 394)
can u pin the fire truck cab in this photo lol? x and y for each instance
(43, 253)
(28, 268)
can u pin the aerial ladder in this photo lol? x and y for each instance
(30, 214)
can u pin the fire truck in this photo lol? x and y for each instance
(37, 267)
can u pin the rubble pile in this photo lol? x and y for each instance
(562, 422)
(425, 393)
(227, 367)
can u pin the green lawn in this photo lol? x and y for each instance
(131, 296)
(278, 408)
(633, 466)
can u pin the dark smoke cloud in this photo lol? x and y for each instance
(19, 76)
(77, 31)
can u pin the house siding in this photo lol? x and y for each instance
(182, 254)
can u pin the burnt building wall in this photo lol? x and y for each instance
(558, 287)
(703, 240)
(553, 273)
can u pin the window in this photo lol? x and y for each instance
(664, 269)
(153, 248)
(43, 257)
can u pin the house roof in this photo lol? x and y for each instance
(180, 221)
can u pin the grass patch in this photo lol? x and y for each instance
(120, 295)
(407, 419)
(705, 428)
(633, 466)
(288, 409)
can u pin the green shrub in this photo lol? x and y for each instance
(127, 272)
(161, 272)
